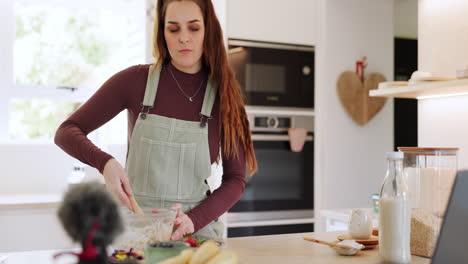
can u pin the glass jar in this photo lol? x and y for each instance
(430, 175)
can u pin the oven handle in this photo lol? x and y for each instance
(268, 137)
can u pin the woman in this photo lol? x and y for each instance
(181, 111)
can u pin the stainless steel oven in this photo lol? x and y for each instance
(279, 198)
(273, 74)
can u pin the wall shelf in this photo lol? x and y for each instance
(425, 90)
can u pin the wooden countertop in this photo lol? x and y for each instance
(292, 248)
(289, 249)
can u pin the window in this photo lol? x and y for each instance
(55, 54)
(61, 52)
(36, 118)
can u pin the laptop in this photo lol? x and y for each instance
(452, 245)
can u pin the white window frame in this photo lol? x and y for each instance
(6, 65)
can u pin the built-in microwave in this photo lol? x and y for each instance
(273, 74)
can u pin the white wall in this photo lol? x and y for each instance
(443, 42)
(406, 19)
(350, 159)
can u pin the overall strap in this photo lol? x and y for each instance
(150, 90)
(208, 102)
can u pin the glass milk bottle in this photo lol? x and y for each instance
(394, 223)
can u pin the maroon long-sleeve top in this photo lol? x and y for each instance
(125, 90)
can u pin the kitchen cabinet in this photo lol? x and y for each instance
(293, 21)
(34, 228)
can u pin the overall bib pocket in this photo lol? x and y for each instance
(166, 169)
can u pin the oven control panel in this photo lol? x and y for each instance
(279, 123)
(272, 122)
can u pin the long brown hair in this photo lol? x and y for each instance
(234, 126)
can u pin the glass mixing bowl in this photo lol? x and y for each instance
(155, 225)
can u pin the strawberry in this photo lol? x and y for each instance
(191, 241)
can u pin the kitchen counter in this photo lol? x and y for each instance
(290, 248)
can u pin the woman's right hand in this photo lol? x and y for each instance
(117, 182)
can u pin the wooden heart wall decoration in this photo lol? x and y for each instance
(354, 95)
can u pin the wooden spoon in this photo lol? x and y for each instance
(136, 207)
(326, 243)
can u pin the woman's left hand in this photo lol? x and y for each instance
(183, 223)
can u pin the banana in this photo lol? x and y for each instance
(225, 257)
(206, 251)
(183, 258)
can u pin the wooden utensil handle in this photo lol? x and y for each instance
(325, 242)
(136, 207)
(319, 241)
